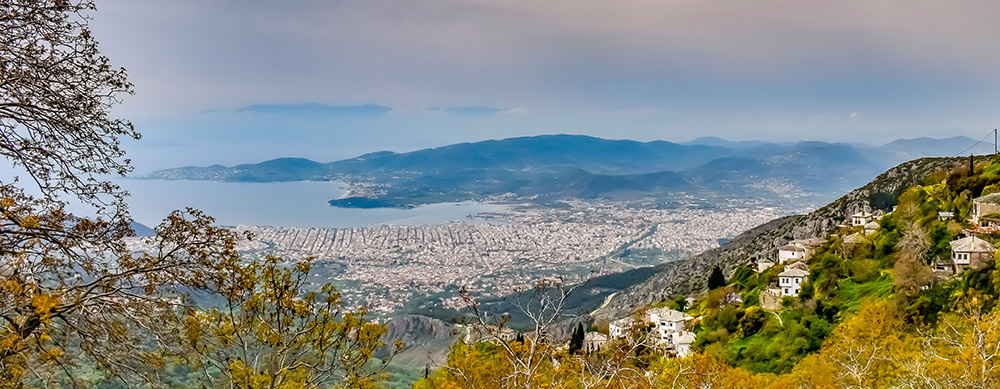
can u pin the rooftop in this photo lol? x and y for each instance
(971, 244)
(794, 273)
(992, 198)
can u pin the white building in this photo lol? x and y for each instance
(799, 250)
(861, 218)
(985, 205)
(667, 321)
(789, 252)
(622, 328)
(682, 343)
(871, 227)
(790, 281)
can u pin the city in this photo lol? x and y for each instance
(387, 266)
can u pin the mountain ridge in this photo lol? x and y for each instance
(555, 167)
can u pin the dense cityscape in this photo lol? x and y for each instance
(387, 266)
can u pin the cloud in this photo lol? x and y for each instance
(473, 110)
(316, 109)
(853, 115)
(516, 111)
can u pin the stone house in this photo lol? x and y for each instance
(985, 205)
(861, 218)
(971, 252)
(593, 341)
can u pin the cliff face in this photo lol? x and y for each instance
(690, 276)
(425, 340)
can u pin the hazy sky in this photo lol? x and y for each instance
(446, 71)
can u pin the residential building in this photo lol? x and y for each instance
(985, 205)
(871, 227)
(622, 328)
(667, 321)
(790, 281)
(799, 249)
(971, 251)
(861, 218)
(593, 341)
(682, 343)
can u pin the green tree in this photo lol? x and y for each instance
(716, 279)
(576, 340)
(272, 332)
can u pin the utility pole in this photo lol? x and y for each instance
(995, 152)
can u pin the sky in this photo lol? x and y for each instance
(231, 82)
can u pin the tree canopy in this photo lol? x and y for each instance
(78, 306)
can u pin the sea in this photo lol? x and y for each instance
(284, 204)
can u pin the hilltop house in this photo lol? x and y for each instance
(790, 252)
(861, 218)
(985, 205)
(622, 328)
(764, 264)
(790, 281)
(682, 343)
(871, 227)
(971, 252)
(799, 250)
(667, 322)
(476, 333)
(593, 341)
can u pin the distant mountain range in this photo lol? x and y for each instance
(556, 167)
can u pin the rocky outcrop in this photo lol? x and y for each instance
(689, 276)
(416, 331)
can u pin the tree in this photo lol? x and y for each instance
(56, 92)
(274, 333)
(73, 296)
(910, 272)
(576, 341)
(716, 279)
(866, 350)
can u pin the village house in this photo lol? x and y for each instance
(971, 252)
(667, 322)
(861, 218)
(622, 328)
(764, 264)
(985, 205)
(593, 341)
(871, 227)
(682, 343)
(790, 252)
(476, 333)
(790, 281)
(799, 250)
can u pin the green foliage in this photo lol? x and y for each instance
(576, 340)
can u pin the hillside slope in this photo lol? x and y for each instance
(688, 276)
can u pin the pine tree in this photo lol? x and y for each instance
(576, 341)
(716, 279)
